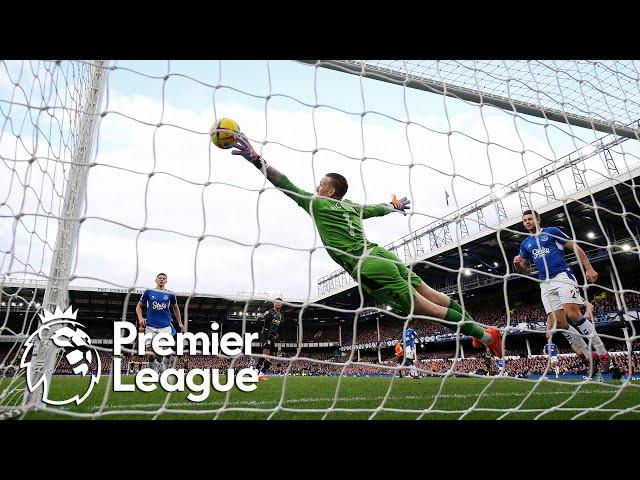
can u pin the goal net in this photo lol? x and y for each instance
(109, 177)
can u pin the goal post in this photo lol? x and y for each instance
(441, 78)
(56, 294)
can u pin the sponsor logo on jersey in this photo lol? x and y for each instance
(540, 252)
(159, 306)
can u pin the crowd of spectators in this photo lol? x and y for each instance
(487, 312)
(310, 362)
(314, 364)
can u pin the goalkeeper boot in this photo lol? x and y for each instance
(598, 377)
(496, 345)
(475, 343)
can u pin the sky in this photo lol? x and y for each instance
(161, 198)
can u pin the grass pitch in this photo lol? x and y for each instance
(360, 398)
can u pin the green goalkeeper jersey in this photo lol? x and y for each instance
(339, 222)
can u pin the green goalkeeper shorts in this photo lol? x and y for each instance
(386, 278)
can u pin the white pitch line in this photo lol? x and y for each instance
(330, 399)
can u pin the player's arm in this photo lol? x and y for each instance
(142, 323)
(176, 312)
(380, 209)
(521, 261)
(589, 272)
(278, 179)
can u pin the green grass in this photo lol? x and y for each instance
(361, 398)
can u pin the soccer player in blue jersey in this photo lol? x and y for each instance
(410, 338)
(559, 289)
(551, 349)
(500, 366)
(159, 303)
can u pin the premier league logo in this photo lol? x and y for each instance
(60, 331)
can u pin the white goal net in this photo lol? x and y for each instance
(109, 177)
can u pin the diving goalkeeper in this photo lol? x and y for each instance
(379, 272)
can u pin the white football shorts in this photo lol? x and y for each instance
(410, 353)
(559, 290)
(155, 331)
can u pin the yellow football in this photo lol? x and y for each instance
(223, 133)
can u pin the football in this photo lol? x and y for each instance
(223, 133)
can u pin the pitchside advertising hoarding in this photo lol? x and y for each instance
(61, 331)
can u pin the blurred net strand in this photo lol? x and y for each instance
(63, 137)
(406, 83)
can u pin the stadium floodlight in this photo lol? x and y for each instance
(626, 247)
(591, 235)
(467, 272)
(495, 264)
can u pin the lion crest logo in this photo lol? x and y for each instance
(60, 331)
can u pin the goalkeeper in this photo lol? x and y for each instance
(379, 272)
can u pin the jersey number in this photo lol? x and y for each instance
(348, 219)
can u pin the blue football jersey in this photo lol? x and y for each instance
(551, 349)
(546, 250)
(499, 362)
(410, 337)
(158, 303)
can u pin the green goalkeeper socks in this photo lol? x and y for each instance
(455, 306)
(469, 327)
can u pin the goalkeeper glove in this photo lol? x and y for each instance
(400, 205)
(245, 149)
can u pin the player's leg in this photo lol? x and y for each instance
(569, 295)
(166, 360)
(153, 359)
(401, 364)
(550, 294)
(576, 341)
(411, 361)
(580, 348)
(264, 363)
(574, 314)
(386, 278)
(439, 298)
